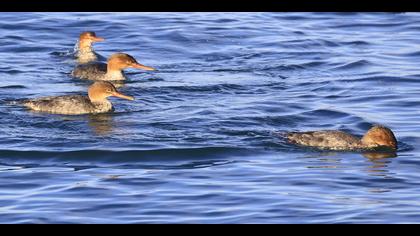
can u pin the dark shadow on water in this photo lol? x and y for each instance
(124, 157)
(169, 159)
(13, 87)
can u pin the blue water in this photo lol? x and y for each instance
(201, 143)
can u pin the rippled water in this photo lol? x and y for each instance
(201, 142)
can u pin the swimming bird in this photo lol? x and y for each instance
(376, 137)
(112, 71)
(95, 102)
(85, 52)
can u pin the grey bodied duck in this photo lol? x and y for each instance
(377, 136)
(95, 102)
(111, 71)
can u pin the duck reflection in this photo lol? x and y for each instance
(380, 162)
(101, 124)
(379, 155)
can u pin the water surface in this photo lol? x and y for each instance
(201, 142)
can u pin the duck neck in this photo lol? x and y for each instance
(98, 100)
(367, 142)
(114, 72)
(85, 46)
(101, 105)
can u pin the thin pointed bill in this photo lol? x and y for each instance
(120, 95)
(143, 67)
(97, 39)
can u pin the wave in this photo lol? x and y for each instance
(382, 79)
(207, 88)
(325, 113)
(354, 65)
(368, 25)
(124, 156)
(13, 87)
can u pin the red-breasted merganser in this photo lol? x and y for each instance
(376, 137)
(95, 102)
(113, 70)
(85, 52)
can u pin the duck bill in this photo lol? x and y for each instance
(97, 39)
(143, 67)
(120, 95)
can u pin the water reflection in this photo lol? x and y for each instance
(379, 155)
(379, 162)
(377, 167)
(101, 124)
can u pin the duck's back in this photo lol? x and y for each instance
(91, 71)
(71, 104)
(334, 140)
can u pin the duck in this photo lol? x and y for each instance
(85, 52)
(95, 102)
(376, 137)
(110, 71)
